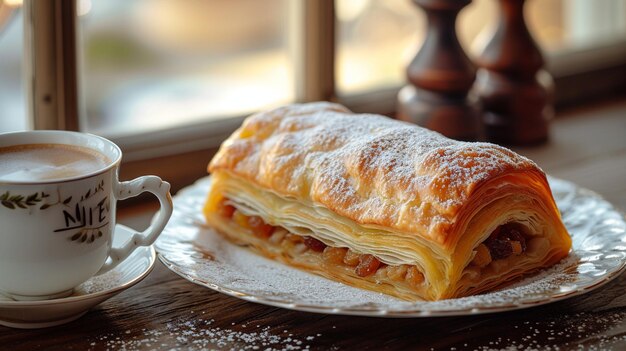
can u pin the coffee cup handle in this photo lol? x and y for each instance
(125, 190)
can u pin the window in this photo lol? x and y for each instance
(158, 64)
(166, 77)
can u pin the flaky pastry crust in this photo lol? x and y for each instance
(410, 182)
(368, 168)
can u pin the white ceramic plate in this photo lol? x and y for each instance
(194, 251)
(48, 313)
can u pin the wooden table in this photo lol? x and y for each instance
(167, 312)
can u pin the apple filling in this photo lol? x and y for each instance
(507, 245)
(363, 265)
(508, 239)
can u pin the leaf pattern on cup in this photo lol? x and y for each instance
(88, 235)
(38, 201)
(98, 188)
(23, 201)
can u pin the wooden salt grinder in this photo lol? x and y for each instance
(440, 77)
(516, 92)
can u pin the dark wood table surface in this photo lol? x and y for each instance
(164, 311)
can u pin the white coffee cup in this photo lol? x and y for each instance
(56, 233)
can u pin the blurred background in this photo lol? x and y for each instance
(171, 76)
(155, 64)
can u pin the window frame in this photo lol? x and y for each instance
(51, 64)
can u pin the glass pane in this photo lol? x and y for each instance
(375, 40)
(588, 23)
(12, 103)
(156, 64)
(378, 38)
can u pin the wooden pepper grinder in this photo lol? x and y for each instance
(516, 92)
(440, 77)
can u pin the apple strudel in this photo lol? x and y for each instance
(381, 204)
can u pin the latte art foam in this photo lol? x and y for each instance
(44, 162)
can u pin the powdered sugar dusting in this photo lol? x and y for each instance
(367, 167)
(198, 333)
(571, 331)
(198, 254)
(103, 282)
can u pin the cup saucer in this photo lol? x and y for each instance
(48, 313)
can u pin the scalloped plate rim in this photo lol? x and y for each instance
(390, 313)
(396, 313)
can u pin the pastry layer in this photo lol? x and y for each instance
(403, 194)
(446, 274)
(305, 252)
